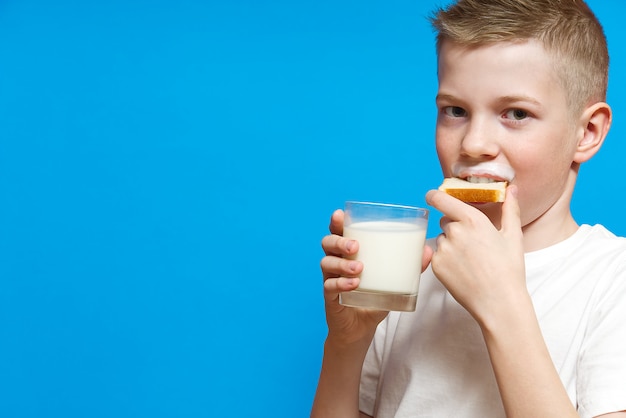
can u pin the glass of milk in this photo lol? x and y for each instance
(391, 242)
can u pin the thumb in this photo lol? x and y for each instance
(511, 221)
(427, 256)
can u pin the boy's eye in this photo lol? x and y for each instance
(455, 111)
(516, 114)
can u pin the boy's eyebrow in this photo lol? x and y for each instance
(447, 97)
(520, 98)
(501, 100)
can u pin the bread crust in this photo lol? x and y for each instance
(474, 192)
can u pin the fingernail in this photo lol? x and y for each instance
(349, 245)
(352, 266)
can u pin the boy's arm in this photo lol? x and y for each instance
(528, 382)
(527, 379)
(350, 330)
(338, 387)
(483, 268)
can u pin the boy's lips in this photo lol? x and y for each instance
(483, 172)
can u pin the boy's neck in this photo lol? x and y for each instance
(555, 225)
(539, 234)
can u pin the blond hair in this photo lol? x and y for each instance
(568, 30)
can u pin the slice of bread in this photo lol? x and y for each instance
(474, 192)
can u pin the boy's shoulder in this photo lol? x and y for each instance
(597, 243)
(602, 235)
(591, 246)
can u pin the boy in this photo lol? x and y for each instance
(521, 312)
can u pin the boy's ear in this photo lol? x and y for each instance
(595, 123)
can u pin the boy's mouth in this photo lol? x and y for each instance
(480, 179)
(483, 172)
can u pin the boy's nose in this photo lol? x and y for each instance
(479, 142)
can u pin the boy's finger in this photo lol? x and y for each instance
(427, 256)
(338, 245)
(511, 220)
(335, 266)
(336, 222)
(450, 206)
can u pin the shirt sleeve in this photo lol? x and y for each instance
(602, 362)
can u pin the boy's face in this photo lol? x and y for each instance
(503, 114)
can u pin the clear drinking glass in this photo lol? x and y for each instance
(391, 242)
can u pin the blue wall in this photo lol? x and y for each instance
(167, 170)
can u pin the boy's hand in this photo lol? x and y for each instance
(481, 266)
(346, 325)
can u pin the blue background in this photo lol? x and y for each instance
(167, 170)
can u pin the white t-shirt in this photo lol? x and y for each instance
(433, 362)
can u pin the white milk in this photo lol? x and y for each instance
(391, 253)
